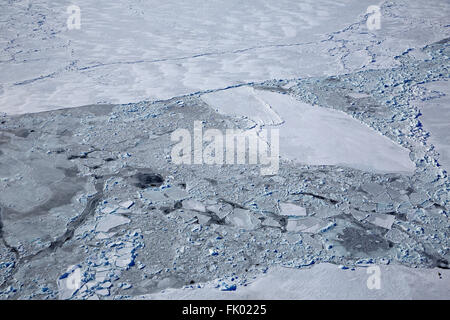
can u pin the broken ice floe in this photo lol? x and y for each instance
(290, 209)
(169, 194)
(194, 205)
(111, 221)
(244, 219)
(220, 209)
(102, 272)
(125, 286)
(381, 220)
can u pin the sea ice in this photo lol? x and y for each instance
(244, 219)
(194, 205)
(111, 221)
(435, 115)
(381, 220)
(316, 135)
(126, 204)
(290, 209)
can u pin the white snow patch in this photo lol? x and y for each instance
(290, 209)
(69, 282)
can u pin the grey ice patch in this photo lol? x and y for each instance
(194, 205)
(154, 196)
(373, 188)
(361, 240)
(235, 147)
(176, 193)
(69, 282)
(74, 19)
(381, 220)
(111, 221)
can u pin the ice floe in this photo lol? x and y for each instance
(316, 135)
(290, 209)
(243, 218)
(111, 221)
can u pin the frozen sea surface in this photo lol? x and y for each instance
(129, 51)
(93, 191)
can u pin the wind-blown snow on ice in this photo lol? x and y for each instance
(129, 51)
(243, 102)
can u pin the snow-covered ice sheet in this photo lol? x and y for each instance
(104, 197)
(129, 51)
(327, 281)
